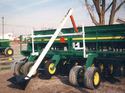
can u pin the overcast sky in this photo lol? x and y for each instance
(22, 16)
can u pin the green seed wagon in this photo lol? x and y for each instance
(5, 48)
(84, 54)
(93, 53)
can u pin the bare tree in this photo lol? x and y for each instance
(101, 9)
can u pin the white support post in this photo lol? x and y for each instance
(49, 44)
(33, 49)
(84, 46)
(32, 43)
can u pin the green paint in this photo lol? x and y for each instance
(90, 59)
(98, 41)
(32, 58)
(56, 59)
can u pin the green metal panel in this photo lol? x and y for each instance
(88, 29)
(4, 43)
(98, 41)
(56, 59)
(32, 58)
(90, 59)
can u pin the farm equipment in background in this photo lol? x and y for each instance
(5, 48)
(85, 54)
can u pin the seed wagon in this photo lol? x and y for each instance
(5, 48)
(85, 54)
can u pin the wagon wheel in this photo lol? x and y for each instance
(76, 75)
(18, 67)
(62, 65)
(18, 70)
(92, 78)
(123, 70)
(8, 51)
(117, 70)
(50, 68)
(100, 67)
(111, 69)
(26, 68)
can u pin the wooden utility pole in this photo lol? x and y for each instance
(2, 27)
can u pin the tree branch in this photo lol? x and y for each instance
(119, 6)
(112, 14)
(120, 21)
(97, 6)
(102, 19)
(91, 13)
(108, 7)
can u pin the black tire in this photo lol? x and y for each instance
(26, 68)
(8, 52)
(123, 70)
(89, 78)
(117, 70)
(18, 68)
(108, 70)
(48, 69)
(76, 75)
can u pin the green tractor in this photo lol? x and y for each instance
(5, 48)
(85, 56)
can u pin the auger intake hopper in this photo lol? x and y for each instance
(19, 82)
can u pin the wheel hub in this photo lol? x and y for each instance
(52, 68)
(96, 78)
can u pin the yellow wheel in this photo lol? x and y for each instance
(96, 78)
(10, 59)
(92, 78)
(52, 68)
(8, 51)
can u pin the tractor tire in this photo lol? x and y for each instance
(50, 69)
(18, 68)
(8, 52)
(92, 78)
(26, 68)
(75, 76)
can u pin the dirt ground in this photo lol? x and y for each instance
(58, 84)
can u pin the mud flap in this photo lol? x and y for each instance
(19, 81)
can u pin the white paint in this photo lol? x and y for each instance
(69, 34)
(84, 45)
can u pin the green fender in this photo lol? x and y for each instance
(56, 59)
(90, 59)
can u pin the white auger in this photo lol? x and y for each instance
(49, 44)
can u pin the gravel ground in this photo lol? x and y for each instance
(58, 84)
